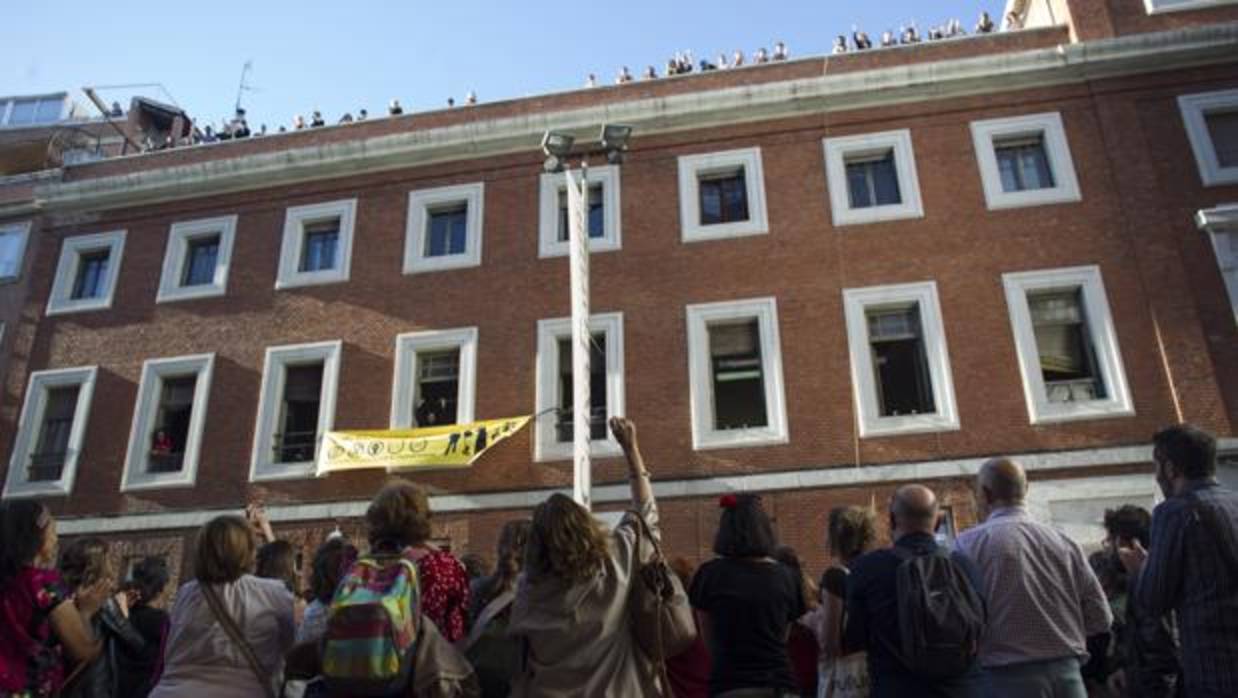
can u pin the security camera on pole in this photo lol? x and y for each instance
(557, 146)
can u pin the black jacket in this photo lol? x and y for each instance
(101, 678)
(1152, 668)
(138, 664)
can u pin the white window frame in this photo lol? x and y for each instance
(1194, 108)
(549, 332)
(699, 317)
(407, 348)
(549, 187)
(262, 467)
(1221, 225)
(691, 167)
(16, 484)
(71, 252)
(22, 230)
(857, 302)
(1052, 132)
(154, 371)
(837, 150)
(176, 255)
(1155, 7)
(1117, 402)
(473, 196)
(293, 244)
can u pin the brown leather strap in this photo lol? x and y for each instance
(643, 530)
(234, 633)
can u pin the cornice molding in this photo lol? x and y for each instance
(1058, 65)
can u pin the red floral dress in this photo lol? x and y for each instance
(444, 591)
(30, 654)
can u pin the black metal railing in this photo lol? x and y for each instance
(295, 446)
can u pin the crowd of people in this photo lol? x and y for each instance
(681, 63)
(572, 608)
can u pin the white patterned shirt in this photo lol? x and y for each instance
(1043, 598)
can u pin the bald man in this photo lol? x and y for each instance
(873, 602)
(1044, 599)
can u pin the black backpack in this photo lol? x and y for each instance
(940, 615)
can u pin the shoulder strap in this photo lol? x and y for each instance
(238, 639)
(496, 606)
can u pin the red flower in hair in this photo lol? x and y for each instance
(728, 501)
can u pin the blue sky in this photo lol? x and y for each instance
(342, 56)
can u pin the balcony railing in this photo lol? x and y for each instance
(564, 429)
(295, 446)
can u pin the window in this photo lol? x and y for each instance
(1067, 346)
(13, 239)
(296, 407)
(554, 432)
(1211, 120)
(168, 422)
(29, 111)
(722, 195)
(900, 365)
(444, 228)
(86, 273)
(197, 259)
(435, 378)
(1158, 6)
(1221, 224)
(317, 244)
(1024, 161)
(604, 218)
(735, 370)
(872, 177)
(50, 432)
(872, 180)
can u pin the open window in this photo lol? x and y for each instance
(444, 228)
(317, 244)
(735, 368)
(296, 408)
(50, 432)
(86, 273)
(554, 432)
(722, 195)
(1067, 345)
(899, 362)
(168, 422)
(435, 378)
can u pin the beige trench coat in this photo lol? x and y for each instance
(580, 642)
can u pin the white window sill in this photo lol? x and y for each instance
(157, 481)
(738, 438)
(561, 451)
(425, 265)
(1081, 411)
(189, 293)
(910, 424)
(83, 306)
(312, 278)
(37, 489)
(272, 472)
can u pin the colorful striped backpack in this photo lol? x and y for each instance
(372, 628)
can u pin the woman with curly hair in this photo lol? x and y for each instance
(42, 619)
(572, 601)
(398, 522)
(85, 564)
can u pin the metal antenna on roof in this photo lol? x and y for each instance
(243, 87)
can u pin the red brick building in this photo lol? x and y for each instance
(813, 278)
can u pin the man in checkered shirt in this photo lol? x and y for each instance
(1191, 565)
(1044, 600)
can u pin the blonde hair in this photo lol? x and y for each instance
(565, 541)
(225, 550)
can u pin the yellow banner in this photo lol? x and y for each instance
(452, 446)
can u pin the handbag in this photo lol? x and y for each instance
(238, 639)
(658, 608)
